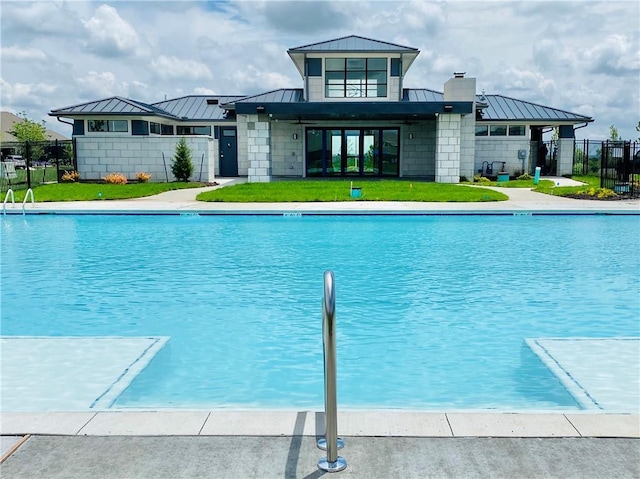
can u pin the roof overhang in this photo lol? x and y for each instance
(355, 110)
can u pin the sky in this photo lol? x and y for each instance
(581, 56)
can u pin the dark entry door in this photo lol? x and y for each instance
(228, 152)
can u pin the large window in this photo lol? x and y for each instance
(500, 130)
(355, 77)
(352, 152)
(109, 125)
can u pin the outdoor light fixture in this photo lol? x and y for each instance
(260, 109)
(295, 136)
(411, 136)
(448, 108)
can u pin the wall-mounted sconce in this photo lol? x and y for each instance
(295, 136)
(448, 108)
(411, 136)
(260, 109)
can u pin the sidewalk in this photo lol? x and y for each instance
(184, 201)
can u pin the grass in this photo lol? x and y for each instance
(550, 189)
(339, 190)
(100, 191)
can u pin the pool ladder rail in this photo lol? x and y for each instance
(330, 443)
(13, 200)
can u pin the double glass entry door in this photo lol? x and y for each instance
(352, 152)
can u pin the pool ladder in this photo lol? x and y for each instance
(13, 200)
(330, 443)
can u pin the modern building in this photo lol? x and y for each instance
(351, 118)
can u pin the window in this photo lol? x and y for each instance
(355, 77)
(166, 129)
(482, 130)
(352, 152)
(516, 130)
(109, 125)
(154, 128)
(194, 130)
(498, 130)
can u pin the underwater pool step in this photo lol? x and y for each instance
(600, 373)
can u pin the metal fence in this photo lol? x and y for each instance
(620, 167)
(28, 164)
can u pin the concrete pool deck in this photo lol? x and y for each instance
(521, 200)
(379, 444)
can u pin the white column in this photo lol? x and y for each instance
(564, 157)
(448, 148)
(258, 150)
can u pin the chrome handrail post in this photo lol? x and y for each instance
(333, 462)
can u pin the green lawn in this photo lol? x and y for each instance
(100, 191)
(339, 190)
(592, 182)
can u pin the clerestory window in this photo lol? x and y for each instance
(355, 77)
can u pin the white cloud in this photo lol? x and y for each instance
(203, 91)
(616, 54)
(110, 34)
(16, 53)
(25, 95)
(99, 85)
(173, 68)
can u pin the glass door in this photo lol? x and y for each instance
(351, 154)
(370, 156)
(334, 153)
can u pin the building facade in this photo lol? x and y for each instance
(351, 118)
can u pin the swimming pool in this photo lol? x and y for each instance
(432, 312)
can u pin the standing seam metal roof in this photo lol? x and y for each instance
(505, 108)
(195, 107)
(353, 43)
(113, 105)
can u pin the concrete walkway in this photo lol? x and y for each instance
(520, 200)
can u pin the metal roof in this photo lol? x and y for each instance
(421, 94)
(504, 108)
(197, 107)
(353, 43)
(282, 95)
(112, 106)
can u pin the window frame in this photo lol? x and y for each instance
(109, 126)
(356, 77)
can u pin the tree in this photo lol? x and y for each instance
(182, 167)
(28, 130)
(613, 133)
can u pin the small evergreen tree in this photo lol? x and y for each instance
(182, 167)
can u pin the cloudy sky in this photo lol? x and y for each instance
(581, 55)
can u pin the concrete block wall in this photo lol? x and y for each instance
(504, 148)
(418, 155)
(315, 87)
(467, 146)
(564, 157)
(241, 138)
(258, 149)
(287, 153)
(100, 155)
(448, 148)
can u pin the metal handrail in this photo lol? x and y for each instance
(26, 195)
(6, 198)
(333, 462)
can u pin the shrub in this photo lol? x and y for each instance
(115, 179)
(481, 179)
(182, 167)
(602, 193)
(143, 177)
(70, 177)
(524, 176)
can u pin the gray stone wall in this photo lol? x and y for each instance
(99, 155)
(448, 148)
(504, 148)
(287, 157)
(418, 154)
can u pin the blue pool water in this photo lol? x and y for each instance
(432, 312)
